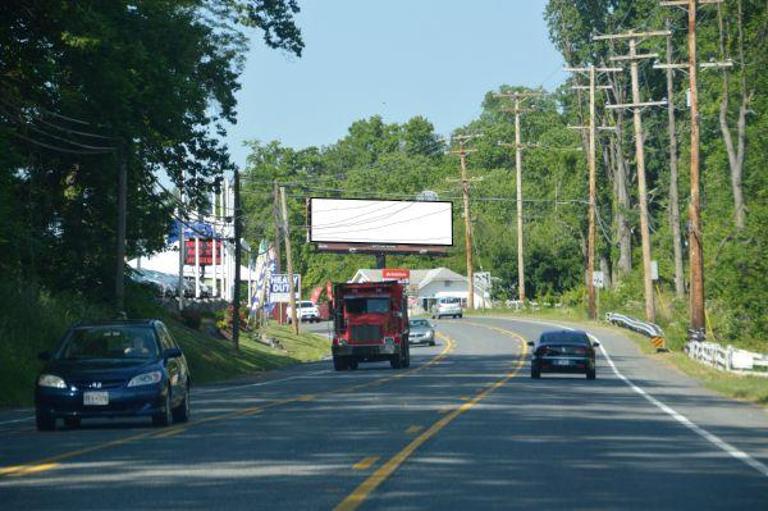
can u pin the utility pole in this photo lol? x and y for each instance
(637, 106)
(695, 244)
(180, 220)
(696, 247)
(674, 208)
(276, 217)
(214, 221)
(238, 256)
(592, 161)
(519, 98)
(462, 152)
(122, 206)
(289, 263)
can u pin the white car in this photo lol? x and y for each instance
(448, 306)
(305, 311)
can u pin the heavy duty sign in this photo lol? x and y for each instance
(279, 287)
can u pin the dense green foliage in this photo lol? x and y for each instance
(382, 160)
(85, 85)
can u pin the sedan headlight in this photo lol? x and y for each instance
(146, 379)
(429, 334)
(51, 380)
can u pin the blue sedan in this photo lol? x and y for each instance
(113, 369)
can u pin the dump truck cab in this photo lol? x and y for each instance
(370, 324)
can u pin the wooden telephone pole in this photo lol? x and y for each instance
(519, 98)
(122, 207)
(592, 160)
(238, 257)
(289, 263)
(278, 228)
(674, 208)
(633, 57)
(695, 245)
(674, 219)
(462, 152)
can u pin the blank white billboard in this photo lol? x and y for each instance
(381, 221)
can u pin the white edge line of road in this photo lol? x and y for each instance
(682, 419)
(211, 390)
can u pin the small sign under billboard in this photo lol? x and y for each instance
(399, 274)
(279, 287)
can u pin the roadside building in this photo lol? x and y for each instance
(426, 286)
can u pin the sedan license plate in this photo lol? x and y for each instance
(96, 398)
(562, 362)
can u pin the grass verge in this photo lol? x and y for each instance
(214, 360)
(753, 389)
(32, 320)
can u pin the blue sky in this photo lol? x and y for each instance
(394, 58)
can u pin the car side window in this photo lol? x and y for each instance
(166, 342)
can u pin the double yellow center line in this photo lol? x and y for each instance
(358, 496)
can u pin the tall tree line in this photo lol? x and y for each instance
(87, 85)
(733, 145)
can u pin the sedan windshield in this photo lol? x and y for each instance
(113, 342)
(420, 322)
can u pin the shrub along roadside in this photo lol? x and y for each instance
(33, 320)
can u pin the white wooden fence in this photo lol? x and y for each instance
(728, 358)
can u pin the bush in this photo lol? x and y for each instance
(192, 318)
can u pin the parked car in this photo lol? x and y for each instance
(565, 351)
(448, 306)
(123, 368)
(305, 311)
(421, 331)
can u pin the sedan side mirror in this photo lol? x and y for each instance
(530, 343)
(595, 344)
(171, 353)
(44, 356)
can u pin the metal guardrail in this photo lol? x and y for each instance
(727, 358)
(641, 327)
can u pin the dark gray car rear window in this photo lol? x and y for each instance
(564, 338)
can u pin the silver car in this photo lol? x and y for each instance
(448, 306)
(421, 331)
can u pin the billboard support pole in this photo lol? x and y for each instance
(381, 261)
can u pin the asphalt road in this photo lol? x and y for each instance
(464, 428)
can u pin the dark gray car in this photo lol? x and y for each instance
(421, 331)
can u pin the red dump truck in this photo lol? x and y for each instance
(370, 324)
